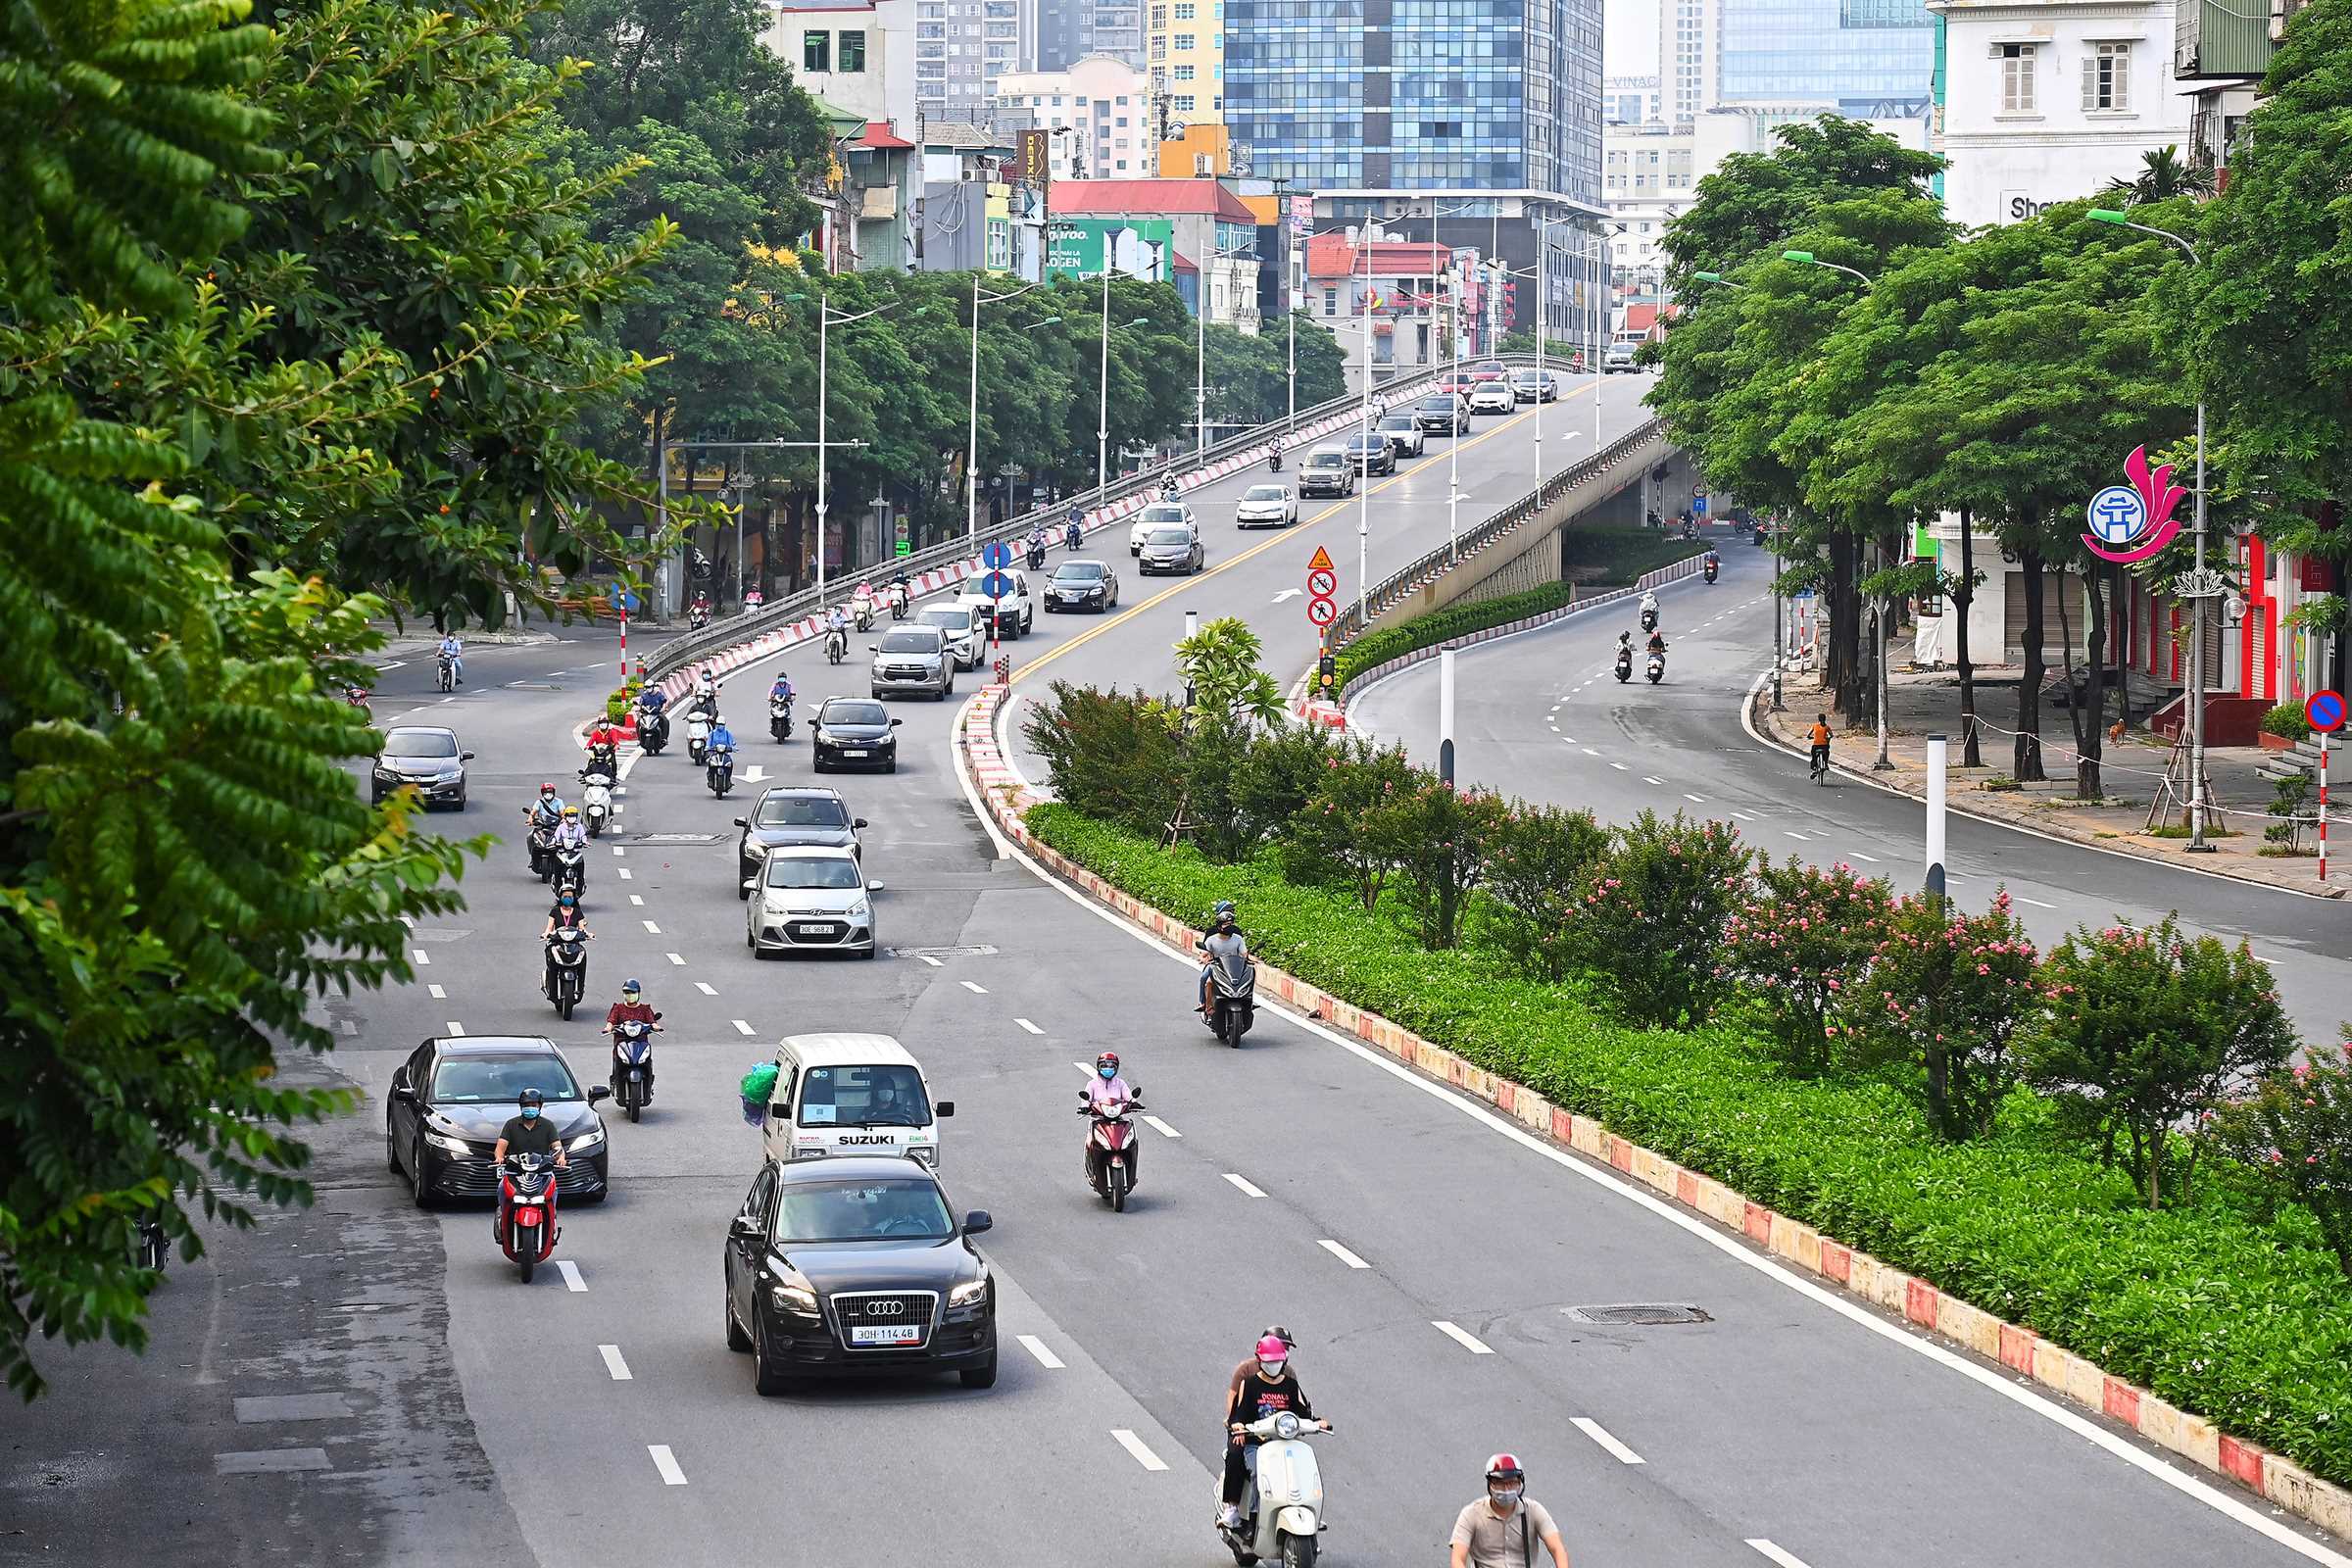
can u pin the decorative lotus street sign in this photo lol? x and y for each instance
(2132, 522)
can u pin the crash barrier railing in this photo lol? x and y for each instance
(1100, 508)
(1393, 588)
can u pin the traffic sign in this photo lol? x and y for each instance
(1699, 506)
(626, 600)
(1322, 582)
(995, 585)
(1321, 561)
(2324, 711)
(996, 555)
(905, 546)
(1322, 612)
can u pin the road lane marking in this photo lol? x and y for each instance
(1619, 766)
(651, 930)
(1460, 1337)
(1859, 856)
(409, 920)
(679, 961)
(637, 900)
(438, 994)
(1785, 1558)
(1661, 783)
(741, 1027)
(975, 988)
(1594, 1430)
(2259, 959)
(2037, 902)
(1288, 593)
(1343, 1254)
(1036, 1348)
(1743, 816)
(1792, 833)
(571, 1274)
(1590, 752)
(626, 874)
(704, 985)
(454, 1028)
(667, 1462)
(1027, 1025)
(618, 850)
(928, 959)
(614, 1363)
(1695, 800)
(1162, 1128)
(1244, 1183)
(1135, 1445)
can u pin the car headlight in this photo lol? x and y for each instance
(447, 1145)
(925, 1155)
(970, 1292)
(790, 1298)
(587, 1140)
(861, 909)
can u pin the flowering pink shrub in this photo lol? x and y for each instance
(1796, 943)
(1652, 913)
(1945, 993)
(2296, 1128)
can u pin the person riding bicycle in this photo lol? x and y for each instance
(1818, 763)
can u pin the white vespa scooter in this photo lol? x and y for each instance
(1281, 1511)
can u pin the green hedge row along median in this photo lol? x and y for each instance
(2241, 1318)
(1379, 646)
(1616, 558)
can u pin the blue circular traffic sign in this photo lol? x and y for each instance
(996, 555)
(2324, 711)
(995, 585)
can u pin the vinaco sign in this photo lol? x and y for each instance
(2132, 522)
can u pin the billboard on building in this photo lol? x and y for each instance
(1140, 246)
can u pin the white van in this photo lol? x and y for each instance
(840, 1094)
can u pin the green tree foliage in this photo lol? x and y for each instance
(184, 865)
(1798, 941)
(2296, 1130)
(1654, 915)
(1109, 754)
(1942, 1000)
(2163, 175)
(1536, 865)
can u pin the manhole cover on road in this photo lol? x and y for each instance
(981, 951)
(1638, 1314)
(675, 838)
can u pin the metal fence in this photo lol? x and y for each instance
(682, 650)
(1435, 565)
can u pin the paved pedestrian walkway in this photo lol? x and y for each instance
(2131, 771)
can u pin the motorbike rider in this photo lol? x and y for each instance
(631, 1008)
(453, 649)
(604, 744)
(1250, 1363)
(1658, 644)
(1274, 459)
(781, 688)
(705, 686)
(837, 630)
(1818, 740)
(902, 590)
(1502, 1529)
(571, 833)
(565, 915)
(720, 737)
(1167, 488)
(1225, 945)
(526, 1132)
(1074, 533)
(1270, 1390)
(1649, 603)
(1107, 1092)
(544, 815)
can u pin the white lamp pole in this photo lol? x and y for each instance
(1363, 517)
(1454, 439)
(1102, 391)
(971, 446)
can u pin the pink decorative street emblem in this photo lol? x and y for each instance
(2133, 522)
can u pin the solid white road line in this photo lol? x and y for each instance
(454, 1028)
(1594, 1430)
(1461, 1337)
(1036, 1348)
(614, 1363)
(1028, 1027)
(975, 989)
(571, 1274)
(438, 994)
(679, 961)
(422, 956)
(1785, 1558)
(704, 985)
(741, 1027)
(1343, 1254)
(1135, 1445)
(1162, 1127)
(651, 930)
(1242, 1182)
(667, 1462)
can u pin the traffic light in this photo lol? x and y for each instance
(1326, 670)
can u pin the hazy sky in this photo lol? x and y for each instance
(1630, 37)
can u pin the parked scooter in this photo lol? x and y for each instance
(1232, 999)
(567, 969)
(779, 716)
(633, 1064)
(697, 735)
(1110, 1148)
(526, 1211)
(719, 772)
(1282, 1508)
(595, 797)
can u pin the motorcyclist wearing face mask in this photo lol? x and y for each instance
(1225, 945)
(527, 1132)
(1107, 1092)
(632, 1008)
(1502, 1529)
(566, 912)
(1271, 1388)
(1252, 1364)
(548, 811)
(570, 833)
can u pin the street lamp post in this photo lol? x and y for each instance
(971, 447)
(1200, 346)
(826, 320)
(2196, 646)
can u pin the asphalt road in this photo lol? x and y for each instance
(1542, 715)
(1422, 1254)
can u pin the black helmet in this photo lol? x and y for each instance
(1275, 1331)
(530, 1097)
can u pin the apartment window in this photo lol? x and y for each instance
(1184, 72)
(2017, 77)
(1184, 42)
(853, 52)
(1184, 11)
(817, 52)
(1159, 46)
(1183, 103)
(1159, 16)
(1330, 302)
(2107, 77)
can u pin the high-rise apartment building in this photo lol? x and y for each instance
(1098, 110)
(963, 46)
(1068, 30)
(1184, 49)
(1869, 59)
(1687, 48)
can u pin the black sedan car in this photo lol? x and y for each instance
(426, 758)
(452, 1096)
(1176, 550)
(1082, 585)
(853, 1266)
(854, 733)
(793, 814)
(1371, 454)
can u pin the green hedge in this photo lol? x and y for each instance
(1379, 646)
(2245, 1322)
(1621, 555)
(2288, 720)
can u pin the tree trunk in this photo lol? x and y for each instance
(1969, 755)
(1841, 662)
(2026, 760)
(2086, 714)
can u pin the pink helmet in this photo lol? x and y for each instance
(1271, 1349)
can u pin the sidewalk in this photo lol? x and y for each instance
(1923, 703)
(420, 638)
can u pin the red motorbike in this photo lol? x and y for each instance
(526, 1211)
(1110, 1148)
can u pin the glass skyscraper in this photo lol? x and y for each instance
(1874, 59)
(1417, 94)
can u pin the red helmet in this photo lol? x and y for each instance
(1504, 1467)
(547, 788)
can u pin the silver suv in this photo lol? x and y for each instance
(912, 661)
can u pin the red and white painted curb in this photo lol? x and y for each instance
(2270, 1476)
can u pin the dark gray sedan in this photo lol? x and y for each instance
(422, 758)
(794, 816)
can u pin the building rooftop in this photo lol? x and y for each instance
(1151, 198)
(878, 135)
(1338, 256)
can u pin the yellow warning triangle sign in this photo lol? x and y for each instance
(1322, 560)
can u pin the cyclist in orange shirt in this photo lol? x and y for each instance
(1819, 736)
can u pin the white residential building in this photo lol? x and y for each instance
(1102, 104)
(2048, 100)
(963, 46)
(856, 55)
(1690, 42)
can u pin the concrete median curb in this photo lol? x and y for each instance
(2271, 1477)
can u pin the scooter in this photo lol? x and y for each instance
(633, 1064)
(1625, 664)
(357, 697)
(697, 617)
(445, 673)
(1710, 574)
(1231, 1002)
(569, 872)
(754, 601)
(595, 798)
(1073, 536)
(779, 717)
(862, 613)
(1282, 1508)
(837, 646)
(652, 731)
(720, 773)
(1650, 620)
(526, 1211)
(566, 978)
(541, 843)
(1037, 552)
(898, 598)
(1274, 461)
(1110, 1148)
(697, 735)
(1657, 669)
(154, 1245)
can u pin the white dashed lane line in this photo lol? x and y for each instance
(1162, 1127)
(571, 1274)
(1036, 1348)
(651, 930)
(1244, 1183)
(928, 959)
(438, 995)
(667, 1462)
(1787, 1560)
(454, 1028)
(637, 900)
(624, 873)
(1867, 860)
(1621, 767)
(704, 985)
(678, 960)
(1462, 1337)
(1590, 752)
(1695, 800)
(618, 850)
(1028, 1027)
(1135, 1445)
(614, 1363)
(741, 1027)
(975, 988)
(1646, 779)
(422, 956)
(1343, 1254)
(1594, 1430)
(2037, 902)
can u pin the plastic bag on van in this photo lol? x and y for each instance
(756, 1086)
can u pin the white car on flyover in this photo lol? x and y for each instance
(1265, 505)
